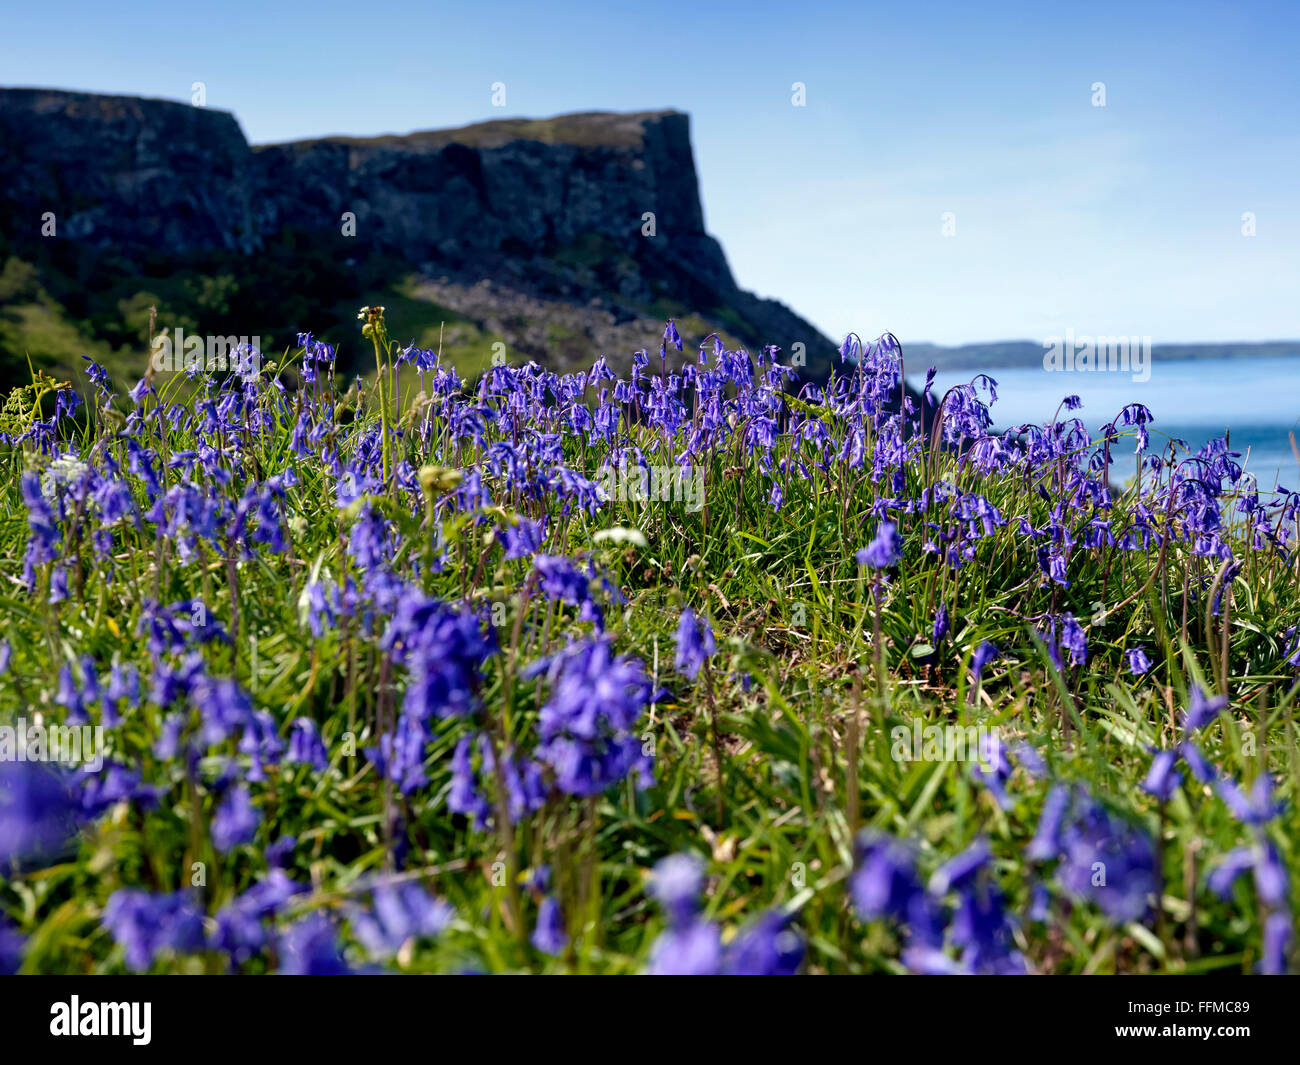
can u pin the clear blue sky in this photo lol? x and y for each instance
(1124, 219)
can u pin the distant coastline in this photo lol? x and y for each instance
(1024, 353)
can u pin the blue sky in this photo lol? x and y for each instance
(1123, 219)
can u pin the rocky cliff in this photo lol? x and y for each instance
(558, 235)
(125, 173)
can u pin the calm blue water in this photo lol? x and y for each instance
(1256, 400)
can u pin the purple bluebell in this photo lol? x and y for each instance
(941, 626)
(1256, 808)
(676, 884)
(885, 882)
(549, 936)
(695, 643)
(244, 925)
(400, 912)
(310, 947)
(144, 925)
(235, 820)
(306, 746)
(587, 726)
(1138, 662)
(693, 949)
(1162, 778)
(40, 812)
(885, 550)
(768, 945)
(465, 796)
(985, 653)
(116, 783)
(1202, 709)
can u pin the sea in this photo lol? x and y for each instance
(1256, 401)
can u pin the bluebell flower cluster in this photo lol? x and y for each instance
(956, 922)
(692, 945)
(450, 561)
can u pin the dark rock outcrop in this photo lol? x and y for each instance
(125, 173)
(550, 208)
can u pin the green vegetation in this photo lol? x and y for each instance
(438, 658)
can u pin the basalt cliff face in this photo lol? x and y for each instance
(123, 173)
(564, 237)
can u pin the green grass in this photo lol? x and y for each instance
(805, 735)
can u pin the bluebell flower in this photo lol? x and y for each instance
(1162, 778)
(993, 767)
(306, 746)
(1047, 843)
(70, 696)
(562, 580)
(692, 945)
(980, 926)
(400, 912)
(235, 821)
(465, 796)
(1197, 763)
(123, 684)
(1202, 709)
(549, 936)
(310, 947)
(40, 812)
(96, 374)
(1257, 808)
(1074, 640)
(522, 538)
(693, 949)
(1279, 934)
(1138, 662)
(116, 783)
(444, 650)
(244, 925)
(671, 336)
(768, 945)
(695, 643)
(1138, 415)
(960, 871)
(885, 883)
(676, 885)
(45, 534)
(1039, 903)
(587, 725)
(538, 879)
(400, 755)
(1272, 888)
(885, 550)
(322, 607)
(526, 788)
(1108, 861)
(985, 653)
(280, 851)
(940, 629)
(1030, 760)
(144, 925)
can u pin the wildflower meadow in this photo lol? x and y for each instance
(699, 668)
